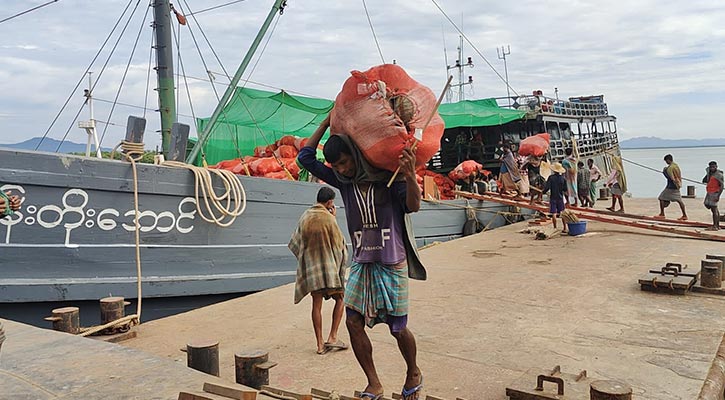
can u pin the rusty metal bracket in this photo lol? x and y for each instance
(553, 379)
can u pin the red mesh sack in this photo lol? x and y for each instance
(292, 167)
(300, 143)
(277, 175)
(261, 151)
(364, 110)
(286, 151)
(536, 145)
(263, 166)
(287, 140)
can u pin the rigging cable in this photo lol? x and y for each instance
(100, 74)
(206, 68)
(27, 11)
(148, 73)
(213, 8)
(658, 171)
(125, 72)
(370, 22)
(55, 119)
(474, 47)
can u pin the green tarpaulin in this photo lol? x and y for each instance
(258, 118)
(484, 112)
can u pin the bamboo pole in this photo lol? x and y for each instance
(595, 217)
(430, 117)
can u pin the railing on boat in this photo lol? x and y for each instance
(591, 106)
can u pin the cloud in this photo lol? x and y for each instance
(653, 60)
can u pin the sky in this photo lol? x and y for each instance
(659, 63)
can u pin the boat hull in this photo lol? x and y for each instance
(74, 236)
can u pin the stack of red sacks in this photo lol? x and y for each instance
(264, 164)
(445, 184)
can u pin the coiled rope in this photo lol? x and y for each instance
(223, 209)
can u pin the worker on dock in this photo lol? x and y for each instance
(595, 174)
(384, 256)
(321, 253)
(570, 165)
(583, 180)
(617, 184)
(671, 192)
(509, 174)
(714, 181)
(556, 186)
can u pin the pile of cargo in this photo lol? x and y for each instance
(273, 161)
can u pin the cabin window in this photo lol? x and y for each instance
(601, 127)
(584, 129)
(553, 129)
(565, 130)
(612, 126)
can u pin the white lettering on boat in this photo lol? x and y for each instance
(74, 213)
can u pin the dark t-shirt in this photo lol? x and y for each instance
(374, 214)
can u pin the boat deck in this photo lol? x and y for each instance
(495, 305)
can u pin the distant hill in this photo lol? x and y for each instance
(651, 142)
(50, 145)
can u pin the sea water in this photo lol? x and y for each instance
(643, 183)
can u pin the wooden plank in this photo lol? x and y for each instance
(285, 393)
(599, 218)
(357, 396)
(325, 395)
(237, 393)
(199, 396)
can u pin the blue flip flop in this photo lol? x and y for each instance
(409, 392)
(370, 396)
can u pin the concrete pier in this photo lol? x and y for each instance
(495, 305)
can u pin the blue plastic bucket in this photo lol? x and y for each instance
(577, 228)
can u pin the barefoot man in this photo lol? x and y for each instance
(383, 257)
(321, 255)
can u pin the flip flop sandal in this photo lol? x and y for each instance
(323, 351)
(409, 393)
(339, 345)
(370, 396)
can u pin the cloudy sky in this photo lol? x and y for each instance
(659, 63)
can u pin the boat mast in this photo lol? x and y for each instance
(278, 6)
(164, 70)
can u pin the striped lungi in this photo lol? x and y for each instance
(377, 290)
(669, 195)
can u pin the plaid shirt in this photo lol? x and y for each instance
(321, 252)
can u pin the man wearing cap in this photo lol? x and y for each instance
(557, 185)
(714, 181)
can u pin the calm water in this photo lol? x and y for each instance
(692, 161)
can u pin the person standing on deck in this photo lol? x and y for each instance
(583, 180)
(384, 256)
(321, 253)
(509, 173)
(617, 185)
(714, 181)
(569, 163)
(9, 203)
(672, 190)
(595, 175)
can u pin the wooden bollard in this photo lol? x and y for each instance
(252, 368)
(720, 257)
(203, 355)
(711, 273)
(690, 192)
(603, 194)
(112, 308)
(66, 319)
(609, 390)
